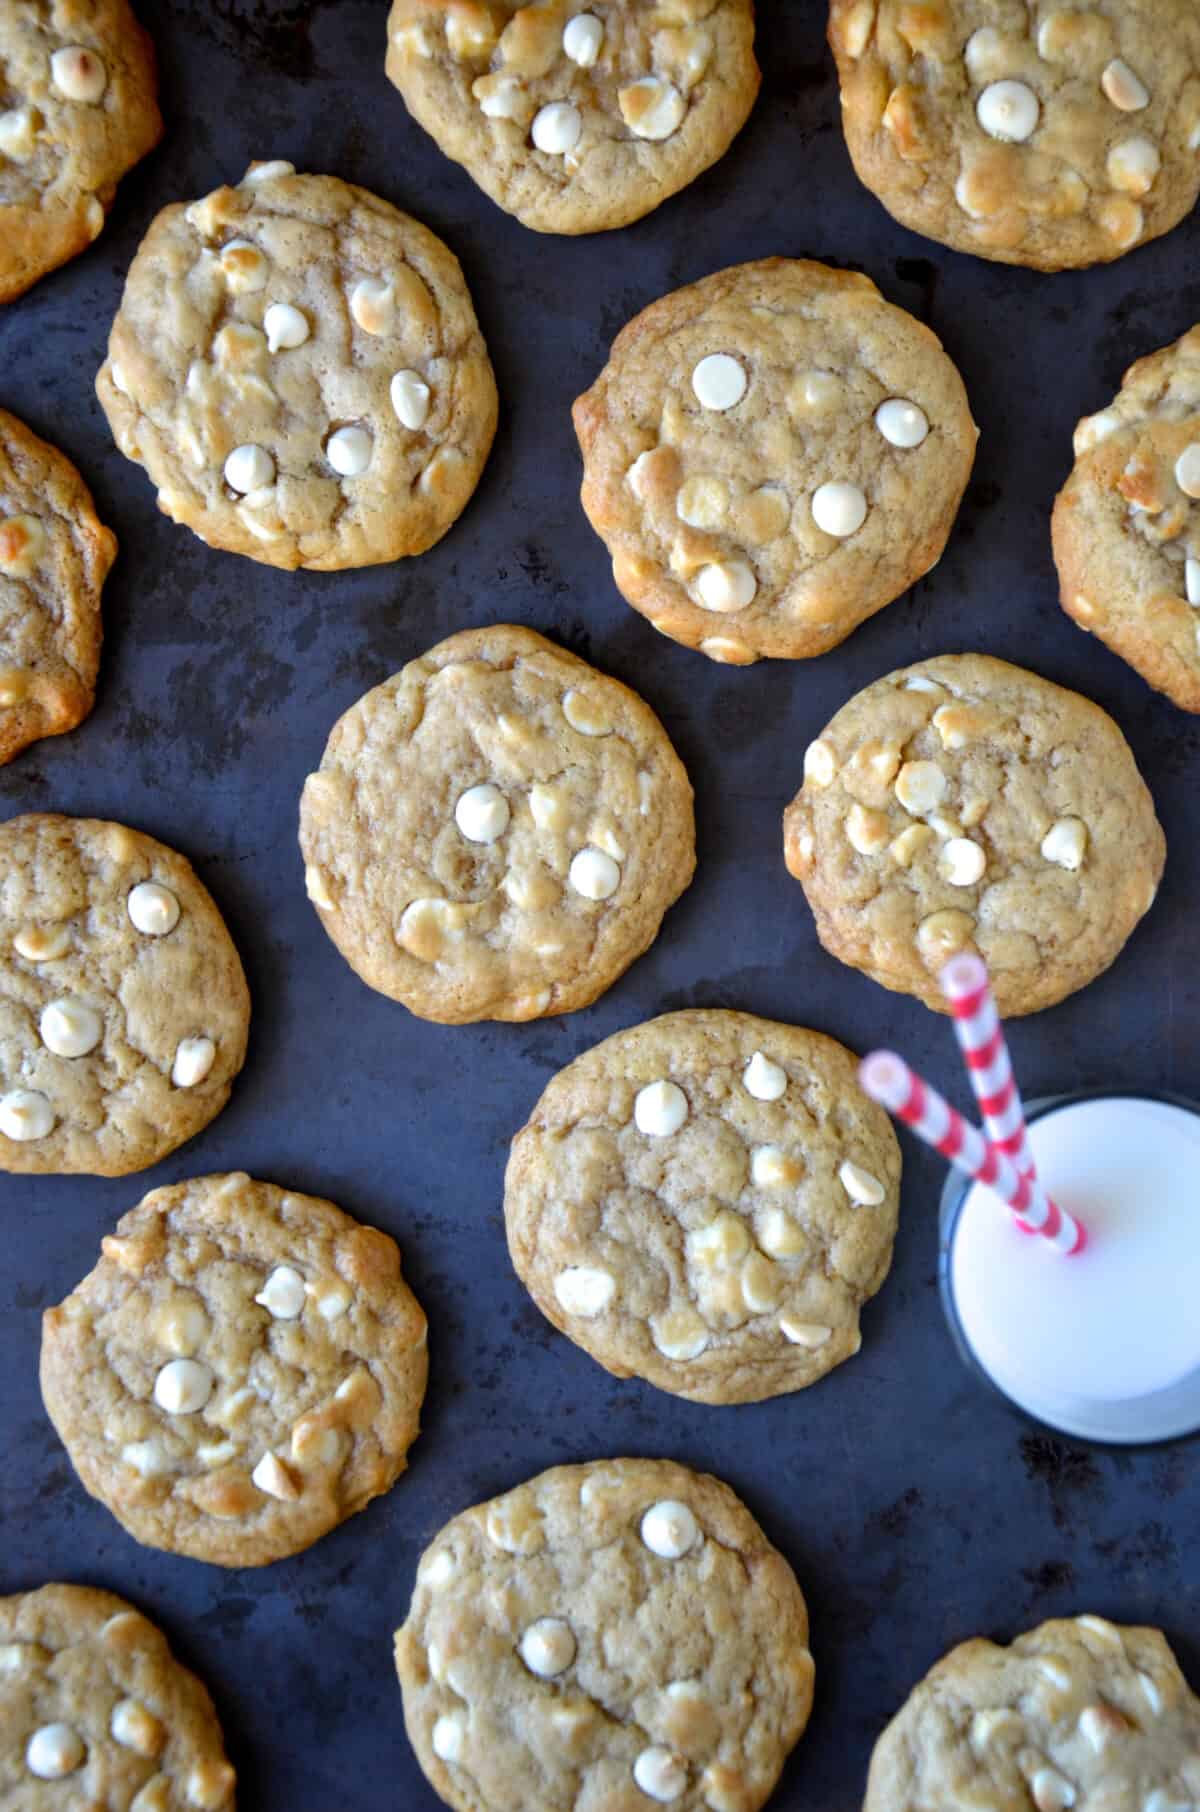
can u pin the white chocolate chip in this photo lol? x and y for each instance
(1095, 428)
(134, 1727)
(70, 1028)
(245, 268)
(249, 468)
(501, 96)
(985, 54)
(585, 715)
(961, 862)
(547, 1647)
(274, 1480)
(556, 128)
(761, 1283)
(482, 813)
(680, 1334)
(860, 1185)
(547, 807)
(78, 74)
(1052, 1791)
(660, 1774)
(1133, 165)
(55, 1750)
(839, 509)
(820, 764)
(1191, 572)
(920, 786)
(719, 381)
(285, 327)
(866, 831)
(373, 305)
(194, 1058)
(1187, 470)
(183, 1386)
(216, 1453)
(1124, 87)
(1065, 843)
(803, 1333)
(585, 1290)
(901, 423)
(332, 1300)
(349, 451)
(147, 1458)
(449, 1736)
(437, 1571)
(25, 1114)
(771, 1168)
(726, 585)
(1150, 1692)
(1008, 111)
(410, 400)
(651, 108)
(153, 910)
(905, 848)
(660, 1109)
(20, 1657)
(582, 38)
(780, 1235)
(268, 171)
(765, 1080)
(722, 1243)
(669, 1529)
(593, 874)
(702, 502)
(283, 1293)
(18, 133)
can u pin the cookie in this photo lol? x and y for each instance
(496, 831)
(1023, 130)
(323, 397)
(964, 804)
(95, 1711)
(54, 558)
(123, 1006)
(577, 120)
(1126, 524)
(1077, 1712)
(241, 1372)
(770, 456)
(706, 1201)
(602, 1638)
(79, 110)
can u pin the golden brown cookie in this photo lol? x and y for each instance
(241, 1372)
(603, 1638)
(964, 804)
(706, 1201)
(123, 1007)
(54, 558)
(298, 367)
(1024, 130)
(770, 456)
(95, 1711)
(1126, 524)
(573, 119)
(1076, 1713)
(78, 108)
(496, 831)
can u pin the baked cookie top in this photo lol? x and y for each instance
(706, 1200)
(1024, 130)
(577, 119)
(54, 558)
(605, 1637)
(1077, 1712)
(1126, 524)
(123, 1007)
(95, 1711)
(497, 830)
(241, 1372)
(298, 367)
(770, 456)
(965, 804)
(78, 110)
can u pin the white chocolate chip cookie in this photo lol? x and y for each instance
(298, 367)
(574, 116)
(605, 1636)
(95, 1711)
(770, 456)
(706, 1201)
(1029, 131)
(77, 110)
(123, 1007)
(1126, 524)
(965, 804)
(1076, 1713)
(241, 1372)
(54, 558)
(497, 831)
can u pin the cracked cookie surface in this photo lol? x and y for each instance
(96, 1714)
(1126, 524)
(601, 1638)
(123, 1007)
(54, 558)
(1078, 1712)
(1022, 130)
(77, 110)
(242, 1371)
(577, 118)
(298, 367)
(497, 830)
(770, 456)
(965, 804)
(706, 1201)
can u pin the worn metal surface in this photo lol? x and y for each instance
(914, 1508)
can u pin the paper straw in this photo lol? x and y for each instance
(888, 1079)
(968, 990)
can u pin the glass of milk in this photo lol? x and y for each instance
(1104, 1346)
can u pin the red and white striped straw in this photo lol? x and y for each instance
(968, 990)
(888, 1080)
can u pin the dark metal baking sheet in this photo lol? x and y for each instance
(914, 1508)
